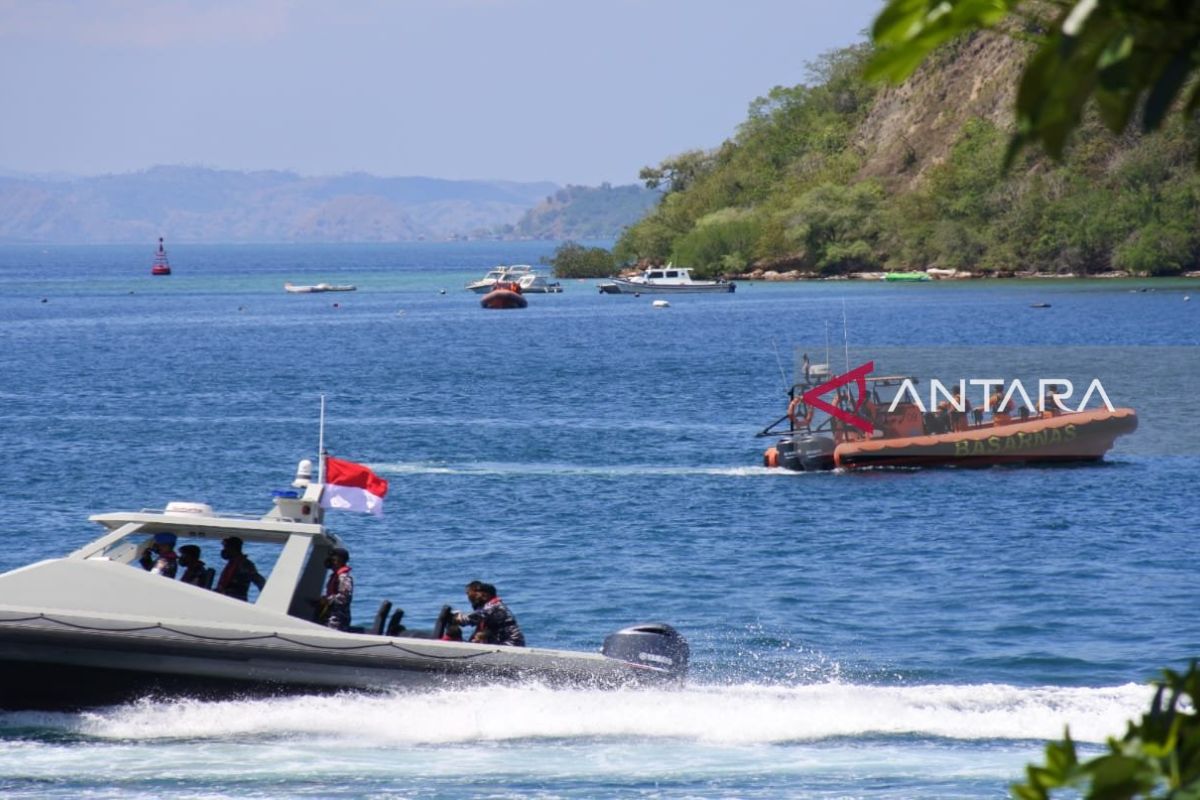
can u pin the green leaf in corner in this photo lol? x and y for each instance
(1165, 89)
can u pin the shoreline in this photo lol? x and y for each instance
(773, 276)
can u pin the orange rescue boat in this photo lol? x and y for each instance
(906, 435)
(506, 294)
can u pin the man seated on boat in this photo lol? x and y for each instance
(193, 567)
(494, 623)
(334, 607)
(160, 558)
(239, 571)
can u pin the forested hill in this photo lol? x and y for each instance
(839, 176)
(585, 212)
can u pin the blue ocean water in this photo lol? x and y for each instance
(893, 634)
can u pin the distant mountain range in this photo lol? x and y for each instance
(196, 204)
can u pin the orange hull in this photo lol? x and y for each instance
(1081, 436)
(503, 298)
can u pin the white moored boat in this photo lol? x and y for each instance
(533, 282)
(94, 627)
(292, 288)
(500, 274)
(664, 280)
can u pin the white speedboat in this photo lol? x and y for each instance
(94, 627)
(532, 282)
(500, 274)
(292, 288)
(665, 280)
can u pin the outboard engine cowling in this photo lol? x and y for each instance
(806, 453)
(651, 644)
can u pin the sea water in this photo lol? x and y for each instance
(891, 634)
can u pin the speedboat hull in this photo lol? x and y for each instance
(503, 298)
(622, 286)
(57, 661)
(1077, 437)
(1080, 437)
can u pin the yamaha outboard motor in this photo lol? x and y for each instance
(652, 644)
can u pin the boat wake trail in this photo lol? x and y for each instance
(721, 715)
(489, 469)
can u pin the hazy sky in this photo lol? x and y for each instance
(573, 91)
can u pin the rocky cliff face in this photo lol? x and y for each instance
(912, 127)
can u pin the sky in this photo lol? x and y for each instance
(570, 91)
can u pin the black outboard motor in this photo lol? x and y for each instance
(806, 453)
(652, 644)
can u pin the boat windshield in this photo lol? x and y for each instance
(134, 549)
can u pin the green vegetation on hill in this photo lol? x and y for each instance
(803, 186)
(573, 260)
(585, 212)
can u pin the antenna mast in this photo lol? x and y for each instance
(321, 445)
(845, 335)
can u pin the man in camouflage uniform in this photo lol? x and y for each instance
(339, 591)
(494, 623)
(239, 571)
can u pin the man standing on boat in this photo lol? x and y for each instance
(339, 592)
(239, 571)
(494, 623)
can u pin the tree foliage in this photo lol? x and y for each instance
(1158, 758)
(787, 189)
(1137, 59)
(573, 260)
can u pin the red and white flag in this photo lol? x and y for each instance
(352, 487)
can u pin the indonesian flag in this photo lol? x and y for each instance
(352, 487)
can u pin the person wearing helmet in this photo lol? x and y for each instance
(160, 558)
(239, 571)
(334, 609)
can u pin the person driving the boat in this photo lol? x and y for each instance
(239, 571)
(334, 609)
(494, 623)
(160, 558)
(193, 567)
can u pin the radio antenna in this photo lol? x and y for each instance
(845, 335)
(779, 363)
(321, 445)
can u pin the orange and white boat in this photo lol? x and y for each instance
(506, 294)
(907, 435)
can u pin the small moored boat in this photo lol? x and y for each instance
(504, 295)
(317, 288)
(665, 280)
